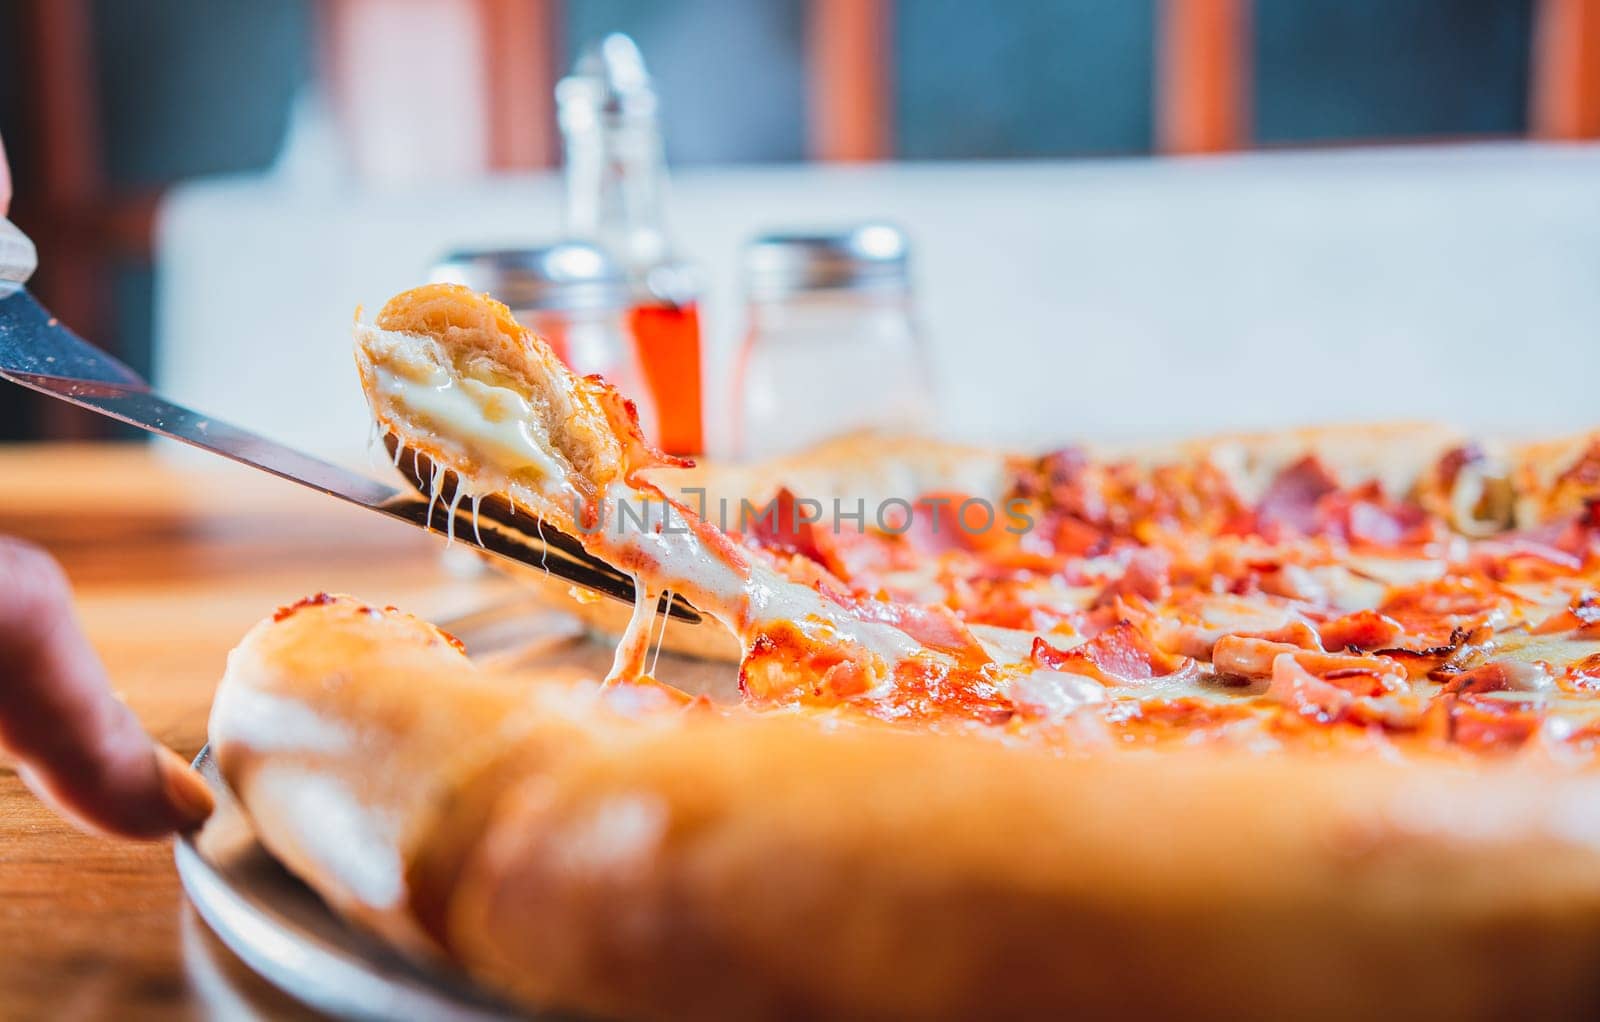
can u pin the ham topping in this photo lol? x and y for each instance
(1120, 655)
(1290, 503)
(1259, 658)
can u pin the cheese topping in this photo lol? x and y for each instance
(494, 423)
(745, 598)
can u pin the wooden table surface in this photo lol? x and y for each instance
(171, 562)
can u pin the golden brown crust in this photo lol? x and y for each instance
(771, 869)
(1393, 453)
(873, 465)
(864, 465)
(466, 328)
(340, 774)
(690, 865)
(1554, 478)
(1546, 480)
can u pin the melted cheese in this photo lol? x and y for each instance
(1556, 650)
(1054, 695)
(633, 647)
(745, 598)
(494, 423)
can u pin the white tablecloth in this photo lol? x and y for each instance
(1115, 297)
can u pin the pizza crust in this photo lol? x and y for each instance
(340, 776)
(874, 465)
(610, 855)
(1555, 478)
(867, 465)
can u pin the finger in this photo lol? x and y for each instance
(77, 745)
(5, 180)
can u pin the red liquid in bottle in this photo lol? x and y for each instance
(668, 339)
(552, 329)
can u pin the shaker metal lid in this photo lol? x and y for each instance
(871, 256)
(569, 275)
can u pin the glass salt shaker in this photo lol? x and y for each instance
(831, 343)
(573, 295)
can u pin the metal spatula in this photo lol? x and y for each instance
(38, 352)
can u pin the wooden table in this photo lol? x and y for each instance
(171, 561)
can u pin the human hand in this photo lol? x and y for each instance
(76, 745)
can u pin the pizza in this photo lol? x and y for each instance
(1303, 723)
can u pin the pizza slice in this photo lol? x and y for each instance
(453, 378)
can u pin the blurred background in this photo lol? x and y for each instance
(1174, 214)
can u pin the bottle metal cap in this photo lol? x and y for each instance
(867, 257)
(567, 276)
